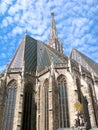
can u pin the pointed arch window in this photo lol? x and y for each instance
(46, 103)
(63, 102)
(10, 106)
(29, 108)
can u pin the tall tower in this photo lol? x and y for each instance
(54, 41)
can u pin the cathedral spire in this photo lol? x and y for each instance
(53, 33)
(53, 40)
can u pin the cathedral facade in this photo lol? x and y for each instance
(43, 89)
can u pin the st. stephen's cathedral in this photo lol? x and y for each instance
(43, 89)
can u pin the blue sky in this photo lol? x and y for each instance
(76, 21)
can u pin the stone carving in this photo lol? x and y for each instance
(80, 123)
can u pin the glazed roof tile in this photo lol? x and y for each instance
(35, 55)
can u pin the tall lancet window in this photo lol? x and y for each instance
(63, 102)
(28, 109)
(79, 90)
(46, 104)
(10, 106)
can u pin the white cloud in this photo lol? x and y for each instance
(88, 39)
(3, 55)
(17, 18)
(90, 2)
(4, 23)
(8, 20)
(76, 23)
(17, 30)
(3, 7)
(12, 11)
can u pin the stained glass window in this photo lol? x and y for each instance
(9, 107)
(63, 103)
(46, 100)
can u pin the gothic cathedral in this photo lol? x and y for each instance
(43, 89)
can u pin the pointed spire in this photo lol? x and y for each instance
(53, 33)
(53, 40)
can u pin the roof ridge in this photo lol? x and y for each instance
(17, 50)
(85, 56)
(88, 61)
(55, 51)
(50, 49)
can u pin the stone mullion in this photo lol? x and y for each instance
(62, 106)
(51, 125)
(2, 101)
(55, 105)
(86, 92)
(96, 101)
(64, 100)
(59, 109)
(42, 109)
(38, 108)
(29, 111)
(11, 104)
(71, 85)
(91, 109)
(47, 110)
(17, 118)
(94, 88)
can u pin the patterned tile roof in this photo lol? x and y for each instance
(35, 55)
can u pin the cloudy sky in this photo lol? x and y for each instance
(76, 21)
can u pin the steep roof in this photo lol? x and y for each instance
(34, 55)
(85, 61)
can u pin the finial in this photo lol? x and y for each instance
(52, 14)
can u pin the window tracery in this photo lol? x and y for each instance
(10, 106)
(63, 102)
(46, 103)
(27, 108)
